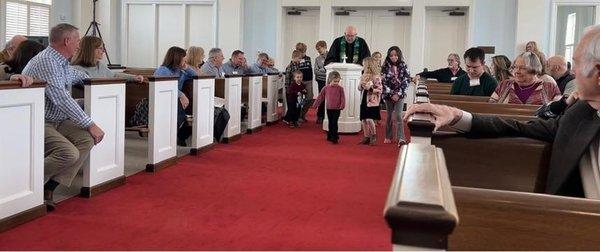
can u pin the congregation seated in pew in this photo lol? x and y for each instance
(447, 74)
(214, 65)
(573, 169)
(476, 82)
(88, 60)
(12, 69)
(69, 133)
(174, 65)
(526, 87)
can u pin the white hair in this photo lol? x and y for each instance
(589, 47)
(214, 52)
(532, 62)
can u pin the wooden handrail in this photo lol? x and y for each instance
(18, 85)
(162, 78)
(420, 207)
(103, 81)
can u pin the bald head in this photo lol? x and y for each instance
(556, 66)
(350, 34)
(13, 43)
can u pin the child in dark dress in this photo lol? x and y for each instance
(294, 90)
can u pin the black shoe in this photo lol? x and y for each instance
(335, 141)
(48, 201)
(181, 142)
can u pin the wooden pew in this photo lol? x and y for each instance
(491, 108)
(21, 153)
(105, 168)
(146, 72)
(162, 122)
(230, 89)
(449, 97)
(420, 209)
(274, 86)
(203, 110)
(252, 89)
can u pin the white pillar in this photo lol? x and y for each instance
(204, 110)
(349, 121)
(417, 37)
(21, 153)
(162, 122)
(105, 167)
(532, 24)
(230, 32)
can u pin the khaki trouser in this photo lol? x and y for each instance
(66, 147)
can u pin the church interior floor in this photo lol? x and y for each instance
(278, 189)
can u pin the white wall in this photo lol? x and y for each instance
(260, 28)
(230, 31)
(533, 19)
(495, 25)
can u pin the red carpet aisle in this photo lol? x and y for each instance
(279, 189)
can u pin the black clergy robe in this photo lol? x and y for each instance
(334, 52)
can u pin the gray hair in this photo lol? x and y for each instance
(532, 62)
(214, 52)
(59, 32)
(590, 50)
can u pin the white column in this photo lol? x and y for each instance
(230, 35)
(204, 110)
(105, 103)
(21, 151)
(349, 121)
(532, 24)
(275, 82)
(162, 122)
(233, 102)
(417, 37)
(254, 102)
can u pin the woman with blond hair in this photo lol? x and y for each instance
(88, 60)
(195, 58)
(501, 68)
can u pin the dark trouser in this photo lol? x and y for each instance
(321, 110)
(293, 112)
(333, 115)
(183, 129)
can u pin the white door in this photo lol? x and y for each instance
(301, 28)
(390, 30)
(444, 34)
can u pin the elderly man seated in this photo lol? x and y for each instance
(565, 79)
(214, 65)
(237, 64)
(575, 135)
(262, 65)
(10, 47)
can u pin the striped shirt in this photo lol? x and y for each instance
(52, 67)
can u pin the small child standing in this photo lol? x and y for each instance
(294, 90)
(335, 99)
(370, 85)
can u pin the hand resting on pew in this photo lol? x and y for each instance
(25, 80)
(443, 115)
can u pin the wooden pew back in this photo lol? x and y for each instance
(491, 108)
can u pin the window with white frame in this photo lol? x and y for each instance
(570, 36)
(27, 17)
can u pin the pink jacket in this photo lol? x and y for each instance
(373, 87)
(334, 95)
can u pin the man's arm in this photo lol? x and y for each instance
(333, 54)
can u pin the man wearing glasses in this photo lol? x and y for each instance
(476, 82)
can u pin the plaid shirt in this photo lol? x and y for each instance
(52, 67)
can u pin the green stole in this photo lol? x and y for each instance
(356, 50)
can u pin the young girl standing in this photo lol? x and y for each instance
(370, 85)
(395, 78)
(333, 93)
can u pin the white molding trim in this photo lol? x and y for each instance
(184, 3)
(554, 15)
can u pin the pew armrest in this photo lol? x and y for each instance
(504, 220)
(420, 207)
